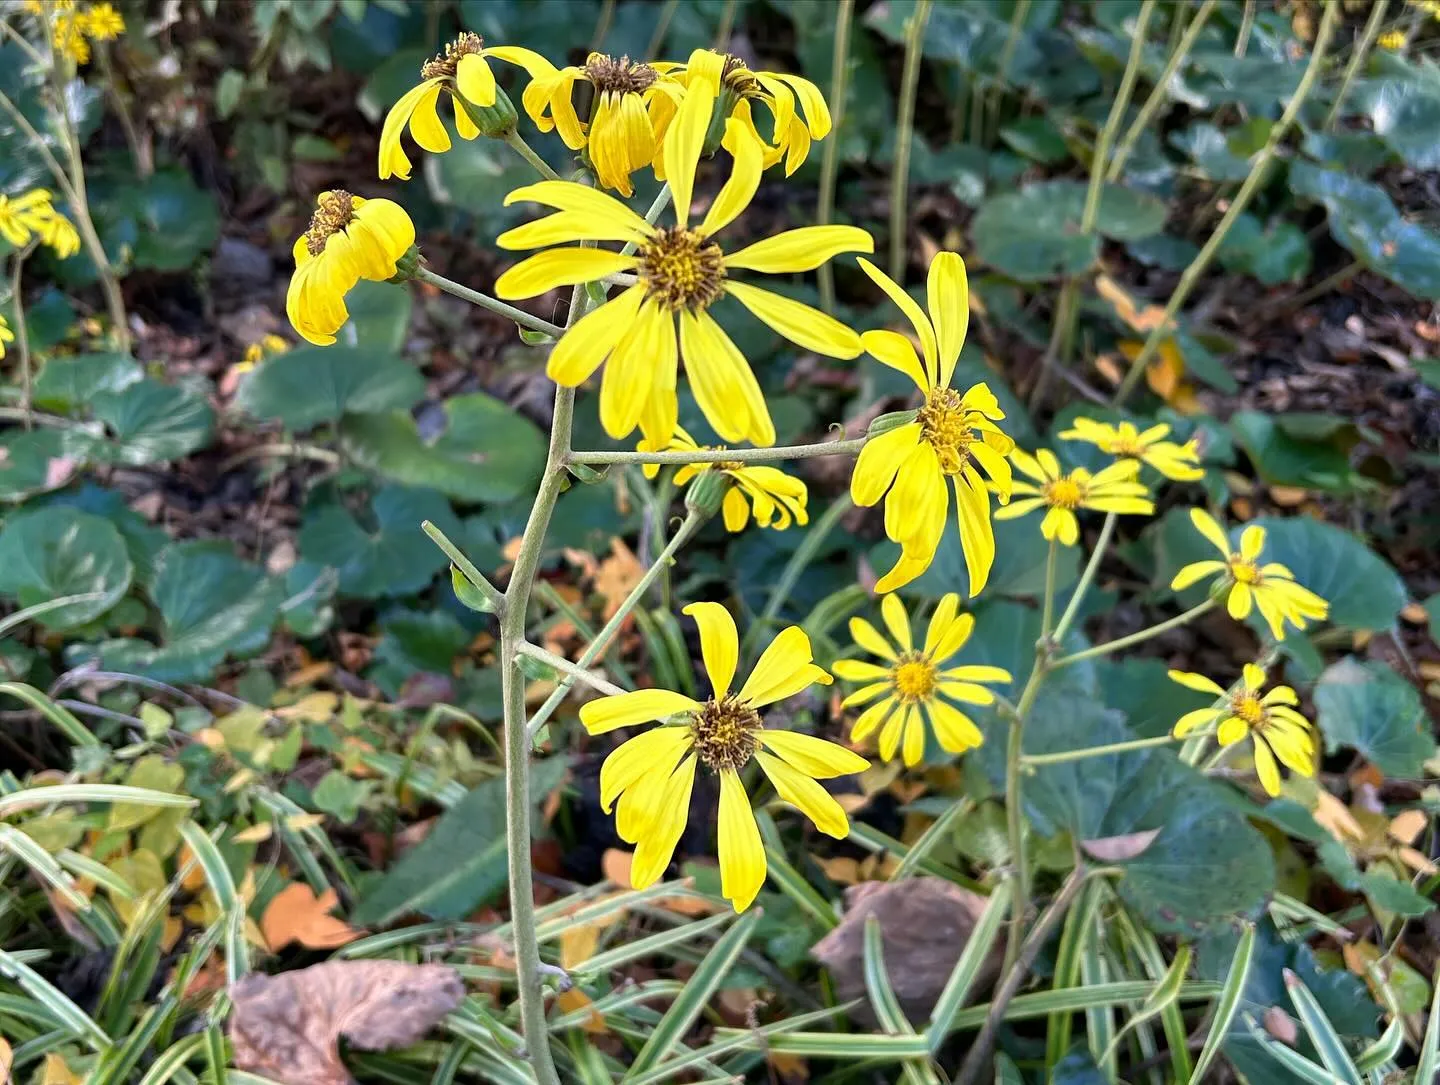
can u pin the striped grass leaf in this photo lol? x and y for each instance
(217, 1054)
(1099, 1019)
(886, 1006)
(47, 796)
(1147, 949)
(503, 1067)
(742, 1040)
(789, 880)
(287, 808)
(23, 1008)
(669, 657)
(449, 1067)
(57, 1003)
(64, 721)
(170, 1062)
(1228, 1003)
(37, 1047)
(1302, 1068)
(232, 908)
(43, 865)
(378, 945)
(967, 968)
(1428, 1068)
(616, 1002)
(872, 839)
(1074, 935)
(557, 920)
(98, 873)
(1383, 1050)
(590, 1068)
(115, 1065)
(699, 988)
(1328, 1044)
(623, 954)
(1165, 996)
(136, 960)
(938, 831)
(20, 617)
(244, 1077)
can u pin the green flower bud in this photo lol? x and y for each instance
(408, 266)
(894, 420)
(707, 492)
(496, 121)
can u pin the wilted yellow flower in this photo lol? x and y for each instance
(1178, 462)
(624, 131)
(1394, 39)
(797, 108)
(56, 231)
(778, 499)
(913, 686)
(102, 22)
(6, 335)
(256, 353)
(652, 774)
(462, 70)
(681, 272)
(349, 239)
(1270, 587)
(69, 38)
(952, 439)
(1114, 489)
(1272, 723)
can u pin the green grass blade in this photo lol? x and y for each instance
(115, 1067)
(872, 839)
(217, 875)
(655, 943)
(59, 1005)
(46, 796)
(885, 1004)
(22, 616)
(1006, 1072)
(1321, 1032)
(1228, 1003)
(217, 1054)
(1303, 1069)
(1073, 937)
(742, 1040)
(1429, 1065)
(1147, 949)
(788, 879)
(1392, 1039)
(1165, 995)
(698, 990)
(173, 1059)
(71, 727)
(43, 865)
(939, 830)
(617, 1002)
(967, 968)
(1099, 1020)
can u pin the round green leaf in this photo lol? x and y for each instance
(55, 552)
(154, 422)
(379, 316)
(1283, 459)
(166, 221)
(1371, 708)
(389, 554)
(310, 385)
(1363, 591)
(1406, 115)
(70, 382)
(487, 452)
(32, 461)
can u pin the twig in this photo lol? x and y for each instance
(1357, 59)
(565, 667)
(22, 334)
(467, 568)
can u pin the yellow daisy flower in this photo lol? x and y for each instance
(6, 335)
(778, 499)
(1270, 587)
(1114, 489)
(69, 38)
(913, 684)
(1272, 723)
(624, 132)
(952, 438)
(349, 239)
(462, 70)
(102, 22)
(797, 109)
(18, 216)
(1393, 40)
(56, 231)
(681, 272)
(1180, 463)
(652, 774)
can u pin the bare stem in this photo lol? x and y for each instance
(1137, 638)
(516, 142)
(1002, 70)
(830, 163)
(140, 150)
(773, 454)
(485, 301)
(22, 335)
(572, 671)
(904, 134)
(1112, 122)
(1029, 761)
(1086, 578)
(1357, 59)
(467, 567)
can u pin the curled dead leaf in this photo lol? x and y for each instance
(1117, 849)
(1280, 1025)
(296, 914)
(287, 1027)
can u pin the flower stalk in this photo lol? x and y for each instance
(849, 447)
(904, 135)
(485, 301)
(830, 163)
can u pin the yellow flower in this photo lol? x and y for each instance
(18, 216)
(463, 71)
(736, 87)
(102, 22)
(56, 231)
(653, 773)
(256, 353)
(952, 438)
(1178, 462)
(1114, 489)
(1395, 39)
(6, 335)
(69, 38)
(627, 101)
(778, 499)
(911, 684)
(349, 239)
(681, 272)
(1272, 723)
(1271, 587)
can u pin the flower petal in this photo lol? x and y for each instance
(628, 709)
(815, 757)
(897, 622)
(719, 644)
(742, 855)
(955, 731)
(1198, 682)
(739, 188)
(878, 462)
(475, 80)
(855, 670)
(559, 267)
(660, 748)
(581, 349)
(572, 196)
(923, 328)
(869, 638)
(723, 382)
(893, 349)
(684, 140)
(1213, 532)
(641, 365)
(657, 844)
(1195, 571)
(784, 668)
(940, 620)
(801, 249)
(803, 793)
(800, 323)
(948, 299)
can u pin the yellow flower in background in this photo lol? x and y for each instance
(625, 128)
(778, 499)
(58, 233)
(1272, 723)
(102, 22)
(1270, 587)
(797, 109)
(1181, 463)
(953, 438)
(1393, 40)
(462, 70)
(349, 239)
(1114, 489)
(913, 686)
(32, 214)
(652, 774)
(256, 353)
(6, 335)
(642, 333)
(68, 36)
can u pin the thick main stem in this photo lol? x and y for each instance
(1014, 815)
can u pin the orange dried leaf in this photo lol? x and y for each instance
(57, 1071)
(1141, 320)
(617, 576)
(615, 864)
(790, 1067)
(575, 1000)
(296, 914)
(1408, 824)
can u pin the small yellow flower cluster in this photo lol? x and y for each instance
(1392, 40)
(31, 214)
(6, 335)
(72, 30)
(256, 353)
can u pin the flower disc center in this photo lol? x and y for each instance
(622, 76)
(334, 211)
(1064, 493)
(726, 733)
(738, 79)
(1243, 571)
(914, 678)
(443, 65)
(681, 269)
(1248, 707)
(945, 426)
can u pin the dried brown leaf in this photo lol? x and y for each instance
(1117, 849)
(287, 1027)
(296, 914)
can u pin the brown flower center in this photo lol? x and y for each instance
(443, 65)
(945, 425)
(333, 212)
(623, 76)
(1064, 493)
(913, 677)
(681, 269)
(1248, 707)
(738, 79)
(726, 733)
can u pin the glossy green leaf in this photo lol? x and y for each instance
(384, 554)
(1370, 708)
(1283, 459)
(71, 382)
(33, 461)
(54, 552)
(1363, 591)
(310, 385)
(153, 422)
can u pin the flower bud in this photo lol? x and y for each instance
(894, 420)
(496, 121)
(407, 266)
(707, 492)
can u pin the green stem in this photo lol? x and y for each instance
(830, 163)
(596, 648)
(467, 568)
(1031, 760)
(736, 455)
(1137, 638)
(485, 301)
(662, 27)
(656, 209)
(1112, 122)
(22, 335)
(1160, 93)
(1048, 612)
(1323, 287)
(727, 24)
(1191, 277)
(139, 150)
(1002, 71)
(1247, 24)
(516, 142)
(1357, 59)
(798, 563)
(571, 670)
(1014, 814)
(1086, 578)
(904, 134)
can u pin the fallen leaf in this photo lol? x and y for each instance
(1289, 497)
(617, 576)
(7, 1060)
(575, 1000)
(1117, 849)
(287, 1027)
(256, 834)
(924, 924)
(615, 864)
(1280, 1025)
(1408, 824)
(58, 1072)
(790, 1067)
(296, 914)
(1141, 320)
(1415, 614)
(319, 707)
